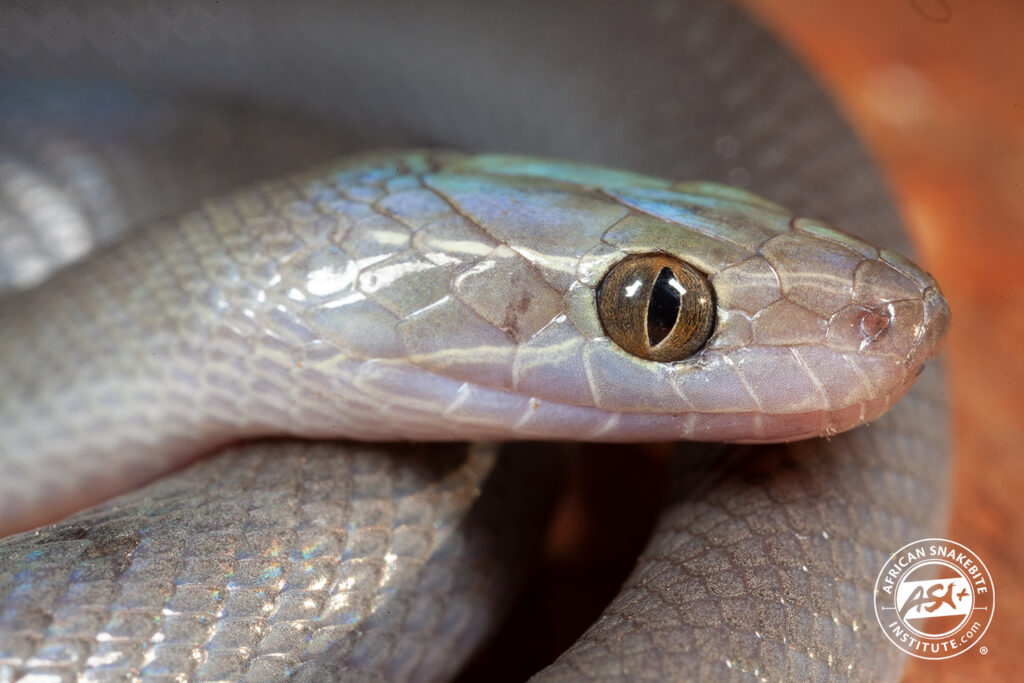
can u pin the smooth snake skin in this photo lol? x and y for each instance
(763, 563)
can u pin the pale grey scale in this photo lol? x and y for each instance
(691, 90)
(277, 559)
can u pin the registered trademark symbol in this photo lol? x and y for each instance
(983, 650)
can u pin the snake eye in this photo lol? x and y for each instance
(656, 307)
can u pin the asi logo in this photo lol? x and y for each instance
(934, 598)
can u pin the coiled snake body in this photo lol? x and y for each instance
(433, 295)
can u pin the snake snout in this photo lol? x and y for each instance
(937, 319)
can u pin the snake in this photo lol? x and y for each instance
(458, 303)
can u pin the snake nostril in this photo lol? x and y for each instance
(873, 323)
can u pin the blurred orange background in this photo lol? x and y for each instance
(936, 89)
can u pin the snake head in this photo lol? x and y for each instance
(468, 302)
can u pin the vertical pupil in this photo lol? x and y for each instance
(663, 307)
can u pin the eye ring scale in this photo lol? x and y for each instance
(656, 307)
